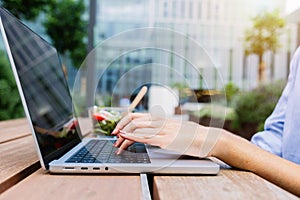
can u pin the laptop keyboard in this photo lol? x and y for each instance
(103, 151)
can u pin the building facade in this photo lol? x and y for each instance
(217, 26)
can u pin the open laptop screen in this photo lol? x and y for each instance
(43, 84)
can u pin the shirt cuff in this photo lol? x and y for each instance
(268, 141)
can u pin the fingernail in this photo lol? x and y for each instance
(119, 151)
(116, 143)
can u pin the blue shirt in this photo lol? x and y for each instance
(281, 134)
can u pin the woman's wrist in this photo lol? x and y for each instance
(222, 145)
(235, 151)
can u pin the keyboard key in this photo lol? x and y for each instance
(101, 151)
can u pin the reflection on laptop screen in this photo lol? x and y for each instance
(44, 87)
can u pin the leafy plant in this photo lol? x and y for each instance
(64, 23)
(231, 91)
(256, 105)
(67, 29)
(216, 111)
(10, 102)
(28, 10)
(183, 90)
(263, 36)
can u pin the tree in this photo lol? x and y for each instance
(28, 10)
(67, 29)
(263, 36)
(64, 23)
(10, 102)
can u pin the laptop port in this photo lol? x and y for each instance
(96, 168)
(84, 168)
(69, 167)
(106, 168)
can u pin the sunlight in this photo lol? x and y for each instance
(292, 5)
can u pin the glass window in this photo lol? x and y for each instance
(174, 8)
(165, 9)
(199, 9)
(182, 9)
(191, 9)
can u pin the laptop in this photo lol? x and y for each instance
(48, 107)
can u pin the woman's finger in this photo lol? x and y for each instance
(136, 125)
(127, 119)
(124, 121)
(124, 146)
(133, 137)
(119, 141)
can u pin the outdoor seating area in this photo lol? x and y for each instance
(22, 178)
(149, 99)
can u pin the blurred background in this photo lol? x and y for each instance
(251, 43)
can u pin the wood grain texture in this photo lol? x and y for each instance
(45, 186)
(19, 178)
(229, 184)
(18, 128)
(18, 159)
(13, 129)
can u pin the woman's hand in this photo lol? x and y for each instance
(181, 136)
(192, 139)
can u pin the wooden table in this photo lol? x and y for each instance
(228, 184)
(22, 178)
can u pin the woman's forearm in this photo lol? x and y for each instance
(241, 153)
(196, 140)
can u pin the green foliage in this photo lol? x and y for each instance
(10, 102)
(24, 9)
(64, 23)
(67, 29)
(231, 91)
(183, 89)
(256, 105)
(265, 33)
(179, 85)
(264, 36)
(216, 111)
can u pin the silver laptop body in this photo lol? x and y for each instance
(48, 107)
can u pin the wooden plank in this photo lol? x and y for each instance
(18, 128)
(13, 129)
(46, 186)
(18, 159)
(229, 184)
(11, 123)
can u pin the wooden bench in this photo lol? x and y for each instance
(22, 178)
